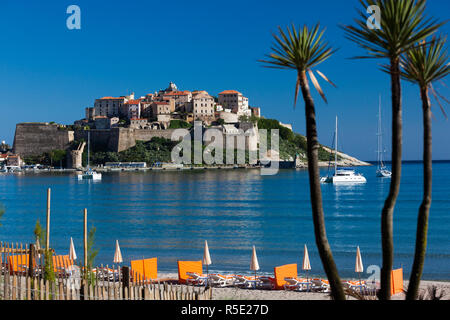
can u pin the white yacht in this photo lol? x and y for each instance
(342, 175)
(89, 174)
(382, 170)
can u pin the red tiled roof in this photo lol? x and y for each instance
(177, 93)
(136, 101)
(160, 102)
(230, 92)
(110, 98)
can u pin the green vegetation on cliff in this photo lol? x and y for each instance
(56, 158)
(159, 149)
(179, 124)
(290, 143)
(155, 150)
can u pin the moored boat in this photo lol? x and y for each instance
(342, 175)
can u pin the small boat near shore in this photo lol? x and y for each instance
(382, 170)
(342, 175)
(89, 174)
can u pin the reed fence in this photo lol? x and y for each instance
(23, 277)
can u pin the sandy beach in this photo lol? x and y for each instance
(231, 293)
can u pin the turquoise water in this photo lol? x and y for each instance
(170, 214)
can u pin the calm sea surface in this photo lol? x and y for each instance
(169, 215)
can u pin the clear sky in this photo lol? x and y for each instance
(50, 73)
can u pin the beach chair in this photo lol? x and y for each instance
(252, 282)
(285, 272)
(296, 284)
(61, 263)
(195, 278)
(219, 280)
(355, 285)
(195, 270)
(18, 263)
(104, 273)
(266, 282)
(321, 285)
(146, 269)
(396, 281)
(244, 281)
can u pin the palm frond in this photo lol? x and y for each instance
(403, 24)
(326, 79)
(299, 49)
(439, 102)
(425, 65)
(316, 85)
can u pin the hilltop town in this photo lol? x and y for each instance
(131, 129)
(157, 110)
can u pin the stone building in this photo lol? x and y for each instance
(89, 113)
(139, 123)
(14, 160)
(234, 100)
(162, 108)
(182, 99)
(109, 106)
(102, 122)
(203, 106)
(133, 108)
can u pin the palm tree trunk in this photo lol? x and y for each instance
(313, 146)
(424, 210)
(389, 204)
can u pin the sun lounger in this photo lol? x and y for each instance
(298, 284)
(196, 279)
(320, 285)
(249, 282)
(61, 263)
(244, 281)
(219, 280)
(266, 282)
(104, 273)
(18, 263)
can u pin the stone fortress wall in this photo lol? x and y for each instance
(35, 138)
(38, 138)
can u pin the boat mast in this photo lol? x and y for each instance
(335, 147)
(89, 142)
(380, 144)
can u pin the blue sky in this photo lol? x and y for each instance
(50, 73)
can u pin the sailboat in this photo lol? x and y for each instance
(342, 175)
(89, 174)
(382, 170)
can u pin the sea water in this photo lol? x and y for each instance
(169, 215)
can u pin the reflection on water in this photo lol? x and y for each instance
(170, 214)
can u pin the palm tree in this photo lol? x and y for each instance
(424, 65)
(301, 50)
(403, 24)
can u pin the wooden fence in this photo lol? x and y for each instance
(22, 277)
